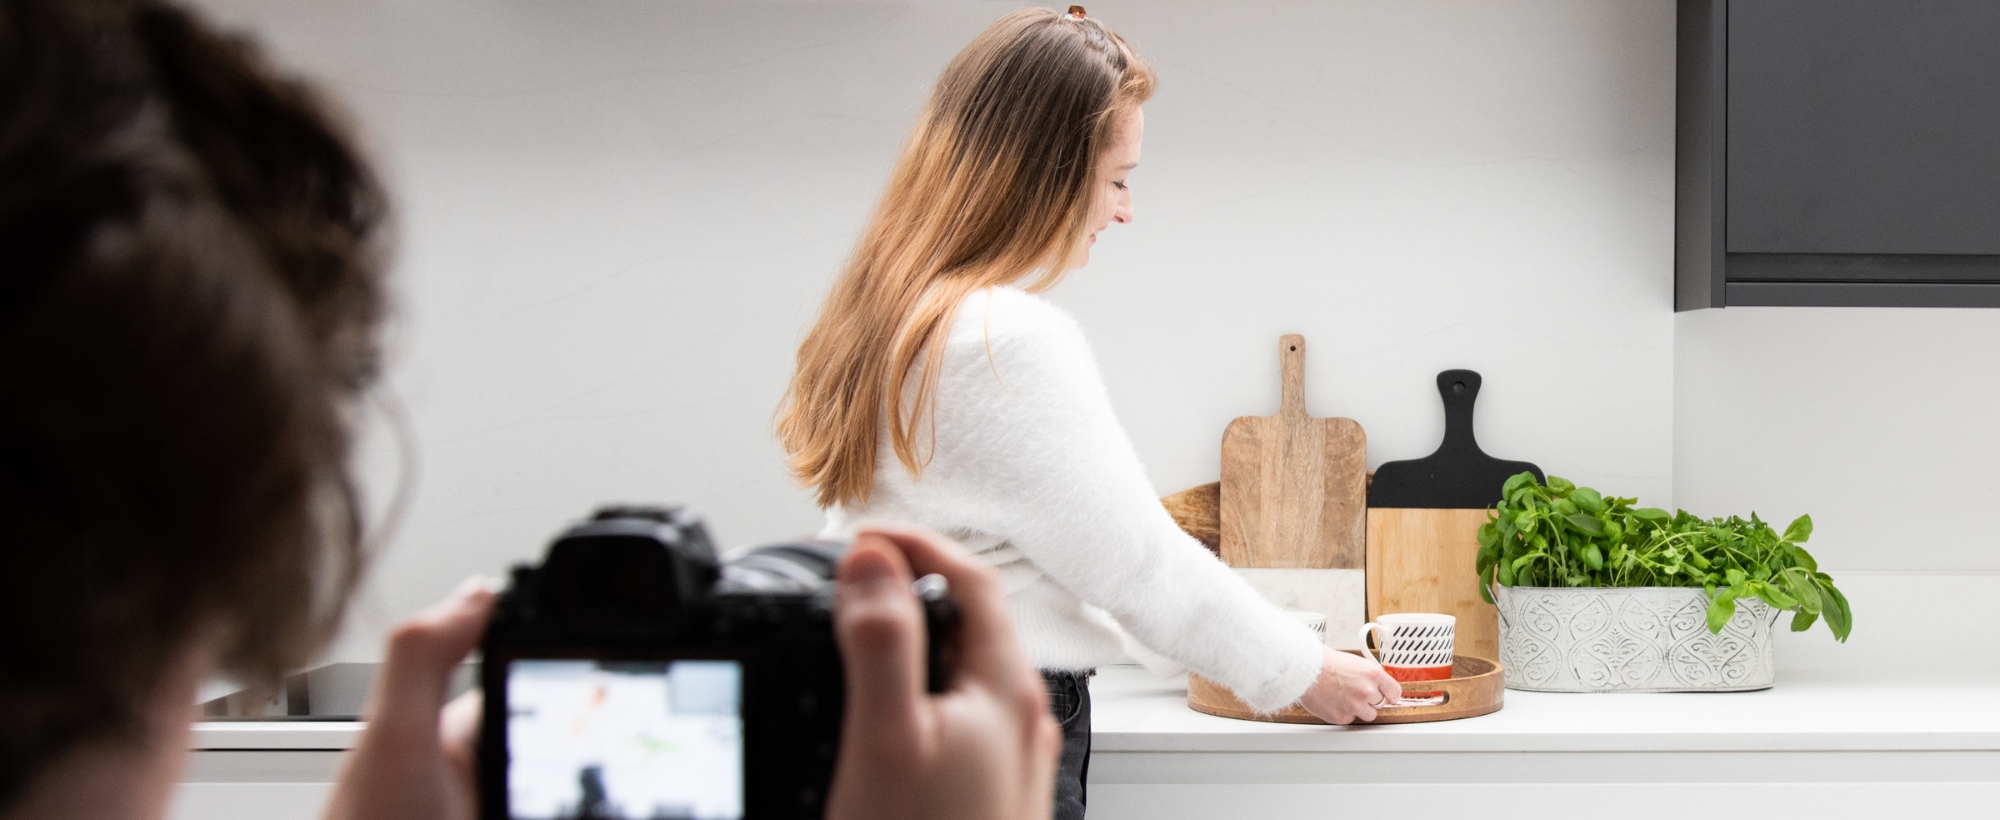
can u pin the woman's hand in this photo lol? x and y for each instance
(983, 750)
(415, 759)
(1349, 688)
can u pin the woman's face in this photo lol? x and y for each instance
(1111, 196)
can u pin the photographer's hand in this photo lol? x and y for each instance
(985, 748)
(414, 761)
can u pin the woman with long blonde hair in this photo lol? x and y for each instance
(936, 387)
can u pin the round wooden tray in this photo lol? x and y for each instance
(1474, 689)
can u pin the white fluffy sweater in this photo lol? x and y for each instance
(1032, 472)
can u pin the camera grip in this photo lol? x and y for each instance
(940, 631)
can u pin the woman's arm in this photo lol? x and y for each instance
(1028, 447)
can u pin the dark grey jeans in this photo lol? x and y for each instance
(1069, 699)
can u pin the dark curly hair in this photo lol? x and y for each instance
(190, 286)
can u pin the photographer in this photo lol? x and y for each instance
(189, 306)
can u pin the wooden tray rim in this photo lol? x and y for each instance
(1470, 696)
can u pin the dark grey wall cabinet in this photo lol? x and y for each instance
(1838, 152)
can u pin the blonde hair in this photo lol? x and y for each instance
(993, 186)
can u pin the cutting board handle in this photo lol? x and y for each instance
(1292, 389)
(1460, 388)
(1458, 475)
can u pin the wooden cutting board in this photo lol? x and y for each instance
(1293, 487)
(1423, 525)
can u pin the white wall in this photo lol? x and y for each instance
(1880, 423)
(618, 218)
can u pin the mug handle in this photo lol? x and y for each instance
(1381, 639)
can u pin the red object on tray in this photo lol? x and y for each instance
(1414, 674)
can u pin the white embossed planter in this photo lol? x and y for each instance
(1630, 639)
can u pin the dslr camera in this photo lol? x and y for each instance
(634, 674)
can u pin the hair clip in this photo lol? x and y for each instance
(1076, 12)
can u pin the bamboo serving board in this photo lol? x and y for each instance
(1293, 487)
(1422, 561)
(1475, 688)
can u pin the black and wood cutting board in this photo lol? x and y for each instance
(1423, 525)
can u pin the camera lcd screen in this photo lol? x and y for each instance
(644, 740)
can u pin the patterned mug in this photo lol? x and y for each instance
(1415, 646)
(1315, 621)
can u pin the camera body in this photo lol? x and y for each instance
(634, 674)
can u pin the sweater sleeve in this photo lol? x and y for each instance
(1026, 435)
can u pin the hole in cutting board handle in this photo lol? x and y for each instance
(1458, 387)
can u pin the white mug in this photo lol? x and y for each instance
(1415, 646)
(1315, 621)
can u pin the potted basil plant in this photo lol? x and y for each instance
(1596, 595)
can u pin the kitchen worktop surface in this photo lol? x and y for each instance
(1809, 710)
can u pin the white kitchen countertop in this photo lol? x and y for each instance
(275, 735)
(1809, 710)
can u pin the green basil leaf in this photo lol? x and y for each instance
(1803, 620)
(1805, 590)
(1735, 576)
(1720, 611)
(1587, 500)
(1560, 485)
(1800, 530)
(1838, 617)
(1593, 556)
(1651, 514)
(1613, 531)
(1776, 597)
(1587, 523)
(1506, 576)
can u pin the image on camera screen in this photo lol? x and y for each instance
(619, 740)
